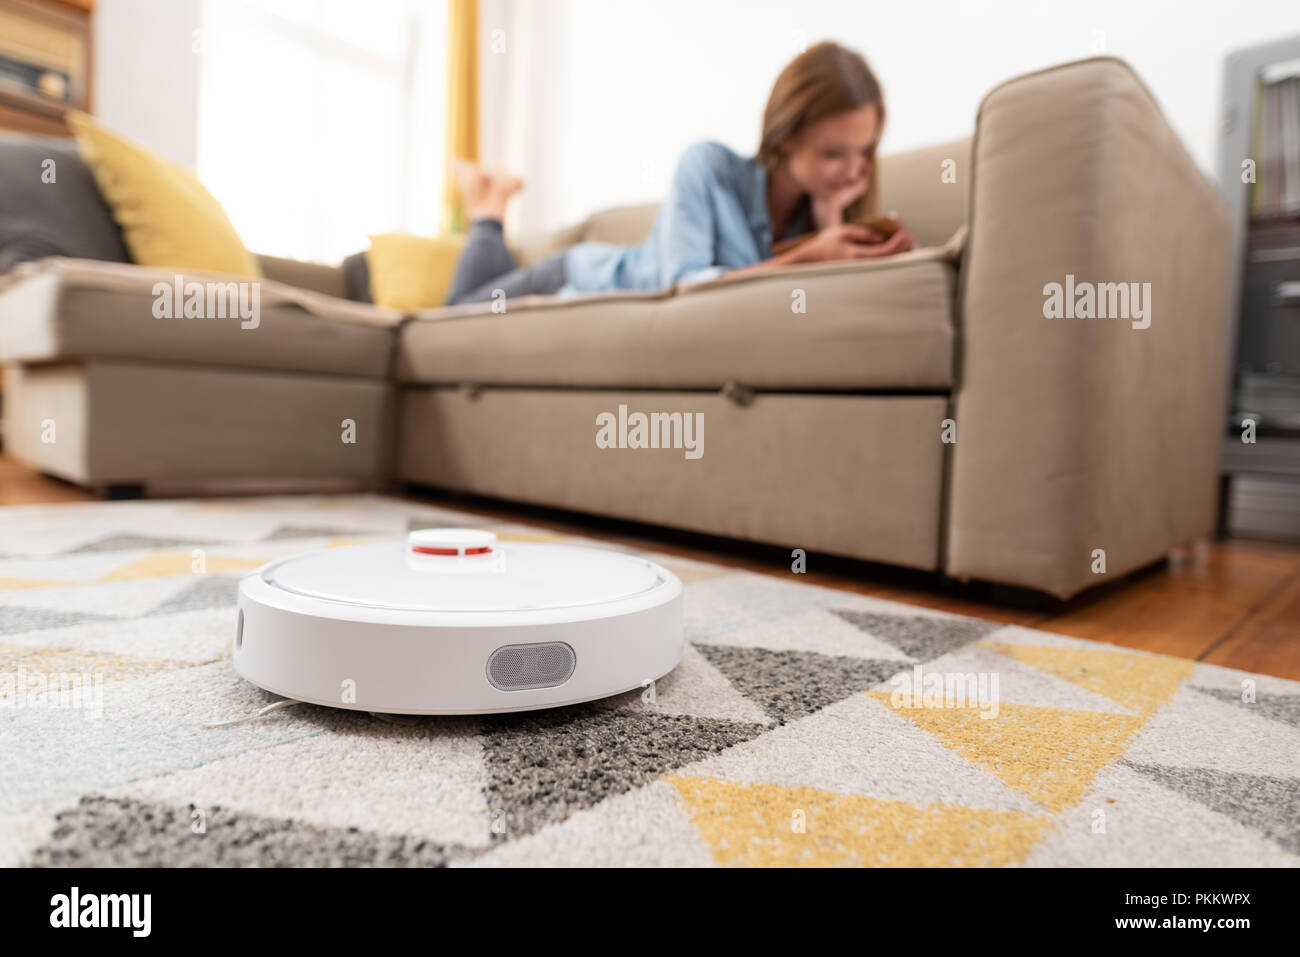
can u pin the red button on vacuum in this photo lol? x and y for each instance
(452, 542)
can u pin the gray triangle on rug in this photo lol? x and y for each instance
(923, 637)
(544, 766)
(125, 543)
(210, 591)
(789, 685)
(103, 831)
(282, 533)
(17, 620)
(1269, 805)
(1274, 707)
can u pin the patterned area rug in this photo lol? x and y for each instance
(805, 726)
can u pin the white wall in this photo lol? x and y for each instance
(147, 74)
(616, 90)
(592, 101)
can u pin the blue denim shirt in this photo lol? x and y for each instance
(714, 219)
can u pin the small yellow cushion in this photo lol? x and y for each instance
(168, 219)
(412, 272)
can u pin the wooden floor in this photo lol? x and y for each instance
(1229, 602)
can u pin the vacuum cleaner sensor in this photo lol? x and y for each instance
(453, 622)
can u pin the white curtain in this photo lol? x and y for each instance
(320, 121)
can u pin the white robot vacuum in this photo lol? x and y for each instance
(453, 622)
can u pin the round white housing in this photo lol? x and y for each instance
(452, 622)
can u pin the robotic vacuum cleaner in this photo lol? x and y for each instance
(453, 622)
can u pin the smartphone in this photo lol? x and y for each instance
(885, 225)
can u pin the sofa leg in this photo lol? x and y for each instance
(1190, 556)
(1024, 599)
(118, 491)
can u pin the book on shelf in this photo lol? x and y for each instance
(1276, 146)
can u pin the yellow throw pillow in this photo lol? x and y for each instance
(168, 218)
(412, 272)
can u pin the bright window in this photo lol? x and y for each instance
(321, 121)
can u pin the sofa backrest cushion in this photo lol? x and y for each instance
(625, 225)
(930, 194)
(330, 280)
(929, 188)
(51, 209)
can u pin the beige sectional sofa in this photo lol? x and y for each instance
(102, 392)
(829, 394)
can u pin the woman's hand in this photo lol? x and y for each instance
(846, 241)
(828, 211)
(851, 241)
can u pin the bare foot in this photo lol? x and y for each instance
(472, 179)
(485, 193)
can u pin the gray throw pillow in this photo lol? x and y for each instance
(66, 217)
(356, 275)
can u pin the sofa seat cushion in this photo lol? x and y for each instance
(883, 325)
(58, 309)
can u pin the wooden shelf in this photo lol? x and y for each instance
(22, 101)
(27, 111)
(1288, 219)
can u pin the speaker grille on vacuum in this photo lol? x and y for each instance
(528, 667)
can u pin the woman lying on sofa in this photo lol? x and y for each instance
(811, 188)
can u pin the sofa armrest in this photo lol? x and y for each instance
(1079, 434)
